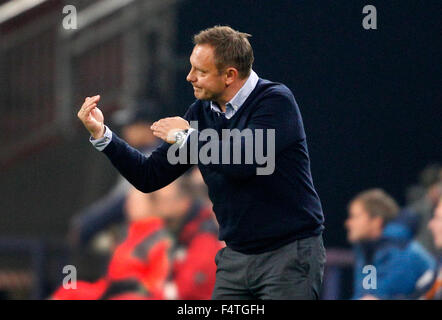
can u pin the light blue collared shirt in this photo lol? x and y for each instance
(240, 97)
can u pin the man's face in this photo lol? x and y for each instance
(207, 82)
(168, 201)
(138, 205)
(435, 225)
(360, 225)
(138, 134)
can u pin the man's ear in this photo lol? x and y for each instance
(231, 75)
(379, 222)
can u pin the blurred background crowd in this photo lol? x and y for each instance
(370, 102)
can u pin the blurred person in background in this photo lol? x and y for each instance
(423, 199)
(435, 225)
(184, 206)
(139, 265)
(109, 210)
(382, 237)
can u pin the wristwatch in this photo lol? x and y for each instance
(181, 135)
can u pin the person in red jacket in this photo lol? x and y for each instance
(185, 208)
(139, 265)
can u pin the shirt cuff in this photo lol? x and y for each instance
(183, 142)
(102, 143)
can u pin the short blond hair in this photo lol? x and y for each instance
(231, 48)
(378, 203)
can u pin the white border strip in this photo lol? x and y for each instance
(99, 10)
(14, 8)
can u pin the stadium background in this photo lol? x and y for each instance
(370, 99)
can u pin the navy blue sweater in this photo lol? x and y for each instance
(256, 213)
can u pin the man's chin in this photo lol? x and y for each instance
(352, 240)
(201, 96)
(198, 94)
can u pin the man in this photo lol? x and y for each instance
(431, 185)
(435, 225)
(383, 239)
(271, 223)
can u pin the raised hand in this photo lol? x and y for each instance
(165, 128)
(92, 117)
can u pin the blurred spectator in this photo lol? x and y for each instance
(140, 265)
(135, 128)
(435, 225)
(185, 208)
(422, 199)
(382, 237)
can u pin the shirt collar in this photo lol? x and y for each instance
(240, 97)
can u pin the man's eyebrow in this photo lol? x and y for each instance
(197, 68)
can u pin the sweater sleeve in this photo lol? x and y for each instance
(146, 173)
(275, 125)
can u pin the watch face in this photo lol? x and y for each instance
(179, 136)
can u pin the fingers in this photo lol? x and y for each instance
(157, 125)
(88, 105)
(89, 108)
(159, 129)
(165, 122)
(85, 111)
(88, 101)
(160, 135)
(170, 123)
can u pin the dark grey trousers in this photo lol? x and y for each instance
(293, 271)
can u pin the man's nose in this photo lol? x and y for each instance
(430, 224)
(190, 77)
